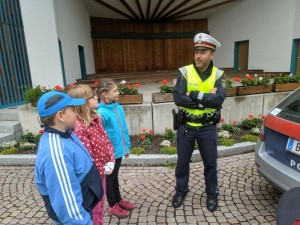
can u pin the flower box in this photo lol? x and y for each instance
(160, 97)
(230, 92)
(251, 90)
(131, 99)
(285, 87)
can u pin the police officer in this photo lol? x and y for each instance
(199, 94)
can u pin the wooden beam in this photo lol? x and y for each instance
(114, 9)
(201, 10)
(130, 9)
(148, 9)
(175, 8)
(140, 8)
(189, 8)
(164, 9)
(156, 8)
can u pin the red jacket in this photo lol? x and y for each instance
(96, 141)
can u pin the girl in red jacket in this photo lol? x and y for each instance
(91, 133)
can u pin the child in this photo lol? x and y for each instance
(113, 120)
(90, 131)
(65, 174)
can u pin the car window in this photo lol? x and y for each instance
(290, 107)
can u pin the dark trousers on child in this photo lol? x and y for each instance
(113, 194)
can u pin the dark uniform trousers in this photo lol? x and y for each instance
(206, 137)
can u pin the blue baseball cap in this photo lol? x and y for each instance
(51, 102)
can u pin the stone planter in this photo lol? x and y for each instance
(160, 97)
(251, 90)
(230, 92)
(285, 87)
(130, 99)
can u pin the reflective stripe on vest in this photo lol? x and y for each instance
(194, 83)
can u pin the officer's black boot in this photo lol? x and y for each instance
(212, 203)
(177, 200)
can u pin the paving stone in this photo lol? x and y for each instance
(245, 197)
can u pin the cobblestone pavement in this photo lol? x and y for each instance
(245, 197)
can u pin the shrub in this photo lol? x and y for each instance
(170, 135)
(9, 144)
(223, 134)
(226, 141)
(165, 143)
(31, 138)
(231, 128)
(145, 138)
(8, 151)
(137, 151)
(249, 137)
(27, 146)
(168, 150)
(251, 122)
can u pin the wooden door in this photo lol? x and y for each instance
(243, 55)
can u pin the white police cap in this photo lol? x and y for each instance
(204, 41)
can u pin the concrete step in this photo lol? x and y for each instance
(10, 126)
(10, 114)
(5, 137)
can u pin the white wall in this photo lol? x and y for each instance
(297, 21)
(73, 28)
(267, 24)
(41, 40)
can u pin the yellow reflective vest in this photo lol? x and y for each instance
(194, 83)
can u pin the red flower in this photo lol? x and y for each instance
(44, 87)
(136, 85)
(164, 82)
(144, 130)
(250, 116)
(237, 79)
(41, 131)
(222, 120)
(128, 86)
(96, 83)
(263, 117)
(59, 88)
(234, 122)
(151, 132)
(143, 137)
(249, 77)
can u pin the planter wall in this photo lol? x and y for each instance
(159, 97)
(253, 90)
(130, 99)
(230, 92)
(285, 87)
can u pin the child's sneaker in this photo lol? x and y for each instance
(116, 210)
(126, 205)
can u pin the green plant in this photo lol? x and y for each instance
(228, 83)
(31, 138)
(286, 79)
(137, 151)
(9, 151)
(6, 145)
(127, 89)
(26, 146)
(251, 122)
(170, 135)
(254, 81)
(226, 141)
(145, 138)
(231, 128)
(172, 165)
(168, 150)
(164, 88)
(249, 137)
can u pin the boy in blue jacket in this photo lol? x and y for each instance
(65, 174)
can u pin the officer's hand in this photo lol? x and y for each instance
(188, 93)
(213, 90)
